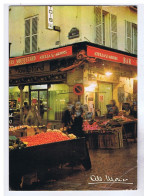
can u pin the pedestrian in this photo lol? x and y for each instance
(67, 116)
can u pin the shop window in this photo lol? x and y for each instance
(58, 96)
(131, 37)
(14, 97)
(31, 31)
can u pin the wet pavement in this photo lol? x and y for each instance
(111, 170)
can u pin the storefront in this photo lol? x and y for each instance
(50, 76)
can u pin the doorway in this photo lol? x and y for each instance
(103, 96)
(54, 100)
(39, 98)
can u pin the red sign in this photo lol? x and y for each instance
(78, 89)
(34, 101)
(41, 56)
(18, 99)
(101, 98)
(111, 56)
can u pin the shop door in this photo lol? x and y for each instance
(104, 96)
(39, 99)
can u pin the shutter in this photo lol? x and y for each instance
(27, 27)
(34, 25)
(113, 31)
(34, 43)
(27, 44)
(128, 36)
(134, 38)
(34, 34)
(27, 36)
(98, 12)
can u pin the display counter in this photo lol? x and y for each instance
(29, 159)
(110, 133)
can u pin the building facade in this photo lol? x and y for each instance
(53, 48)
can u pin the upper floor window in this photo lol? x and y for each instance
(106, 28)
(31, 31)
(131, 37)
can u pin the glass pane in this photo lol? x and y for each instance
(58, 96)
(35, 87)
(34, 97)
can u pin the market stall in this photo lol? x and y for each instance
(44, 150)
(110, 133)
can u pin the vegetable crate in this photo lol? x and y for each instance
(111, 139)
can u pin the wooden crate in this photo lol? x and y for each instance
(111, 139)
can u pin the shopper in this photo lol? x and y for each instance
(41, 109)
(113, 111)
(25, 105)
(67, 116)
(77, 116)
(31, 116)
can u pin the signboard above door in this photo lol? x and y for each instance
(41, 56)
(111, 56)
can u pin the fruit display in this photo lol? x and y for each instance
(50, 136)
(105, 125)
(15, 143)
(90, 127)
(122, 118)
(12, 128)
(72, 136)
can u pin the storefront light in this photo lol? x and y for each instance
(91, 87)
(108, 73)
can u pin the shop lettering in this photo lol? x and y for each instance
(30, 69)
(41, 56)
(105, 56)
(50, 17)
(111, 56)
(127, 61)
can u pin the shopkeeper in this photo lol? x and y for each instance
(113, 109)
